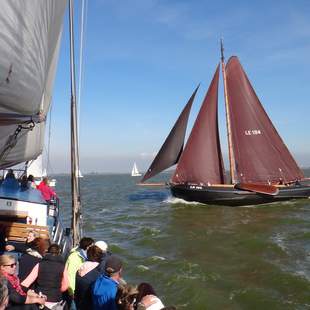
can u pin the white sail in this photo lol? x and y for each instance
(135, 172)
(35, 168)
(30, 35)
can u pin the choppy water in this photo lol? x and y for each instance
(200, 257)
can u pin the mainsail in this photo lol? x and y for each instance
(260, 154)
(201, 160)
(30, 34)
(172, 148)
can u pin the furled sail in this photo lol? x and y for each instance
(172, 148)
(260, 154)
(201, 160)
(30, 35)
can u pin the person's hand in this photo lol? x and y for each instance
(32, 293)
(9, 247)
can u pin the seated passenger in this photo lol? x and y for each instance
(24, 183)
(4, 293)
(10, 181)
(32, 256)
(18, 298)
(47, 193)
(105, 288)
(50, 276)
(126, 297)
(22, 247)
(86, 276)
(31, 182)
(147, 298)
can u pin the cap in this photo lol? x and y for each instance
(113, 264)
(102, 245)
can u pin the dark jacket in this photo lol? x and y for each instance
(17, 301)
(50, 275)
(82, 294)
(26, 263)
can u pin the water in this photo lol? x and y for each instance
(200, 257)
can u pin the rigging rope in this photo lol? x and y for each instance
(12, 139)
(81, 58)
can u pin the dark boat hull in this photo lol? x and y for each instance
(229, 196)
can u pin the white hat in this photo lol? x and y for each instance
(102, 245)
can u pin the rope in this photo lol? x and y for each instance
(13, 139)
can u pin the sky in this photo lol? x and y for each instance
(143, 59)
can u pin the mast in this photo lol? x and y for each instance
(232, 163)
(75, 184)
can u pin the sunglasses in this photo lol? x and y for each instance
(11, 265)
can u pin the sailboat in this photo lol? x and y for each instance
(135, 172)
(262, 170)
(30, 36)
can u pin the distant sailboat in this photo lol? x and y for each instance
(80, 175)
(135, 172)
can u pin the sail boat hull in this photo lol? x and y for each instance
(226, 195)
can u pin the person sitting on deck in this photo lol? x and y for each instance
(4, 293)
(87, 275)
(47, 193)
(105, 288)
(126, 297)
(31, 182)
(10, 181)
(33, 255)
(76, 258)
(50, 276)
(24, 183)
(18, 298)
(22, 247)
(147, 298)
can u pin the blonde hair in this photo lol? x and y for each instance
(6, 259)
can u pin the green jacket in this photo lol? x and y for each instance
(75, 259)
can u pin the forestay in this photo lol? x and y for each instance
(30, 34)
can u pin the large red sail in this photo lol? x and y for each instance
(260, 154)
(172, 148)
(201, 160)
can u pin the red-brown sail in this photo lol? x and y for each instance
(171, 150)
(260, 154)
(201, 160)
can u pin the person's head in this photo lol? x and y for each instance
(10, 174)
(94, 254)
(45, 180)
(54, 249)
(126, 297)
(102, 245)
(30, 178)
(4, 294)
(85, 243)
(7, 264)
(113, 267)
(32, 234)
(145, 289)
(40, 245)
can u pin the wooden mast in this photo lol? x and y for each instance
(75, 185)
(232, 163)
